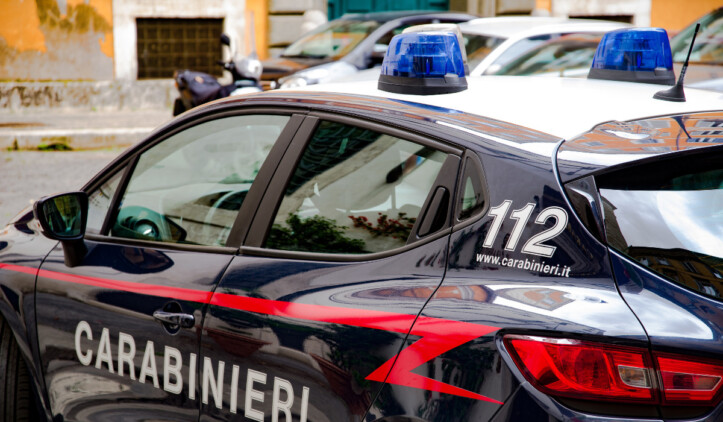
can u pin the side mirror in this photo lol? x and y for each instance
(225, 40)
(63, 217)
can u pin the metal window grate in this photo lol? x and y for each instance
(167, 45)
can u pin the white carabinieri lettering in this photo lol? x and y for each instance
(173, 375)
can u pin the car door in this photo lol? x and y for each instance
(119, 330)
(346, 247)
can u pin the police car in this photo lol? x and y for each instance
(421, 252)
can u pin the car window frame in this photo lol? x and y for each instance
(266, 212)
(127, 164)
(470, 160)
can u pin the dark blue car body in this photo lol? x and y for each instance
(413, 333)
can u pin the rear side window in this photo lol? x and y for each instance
(471, 196)
(354, 191)
(668, 216)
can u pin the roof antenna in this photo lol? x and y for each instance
(676, 93)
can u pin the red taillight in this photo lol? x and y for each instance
(687, 381)
(577, 369)
(597, 371)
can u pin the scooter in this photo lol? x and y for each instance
(196, 88)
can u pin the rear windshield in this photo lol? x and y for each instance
(668, 216)
(332, 40)
(564, 55)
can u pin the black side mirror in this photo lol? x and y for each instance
(63, 217)
(225, 40)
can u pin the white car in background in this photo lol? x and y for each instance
(493, 43)
(533, 45)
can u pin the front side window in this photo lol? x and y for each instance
(354, 191)
(669, 217)
(99, 202)
(190, 187)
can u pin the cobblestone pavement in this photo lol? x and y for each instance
(28, 175)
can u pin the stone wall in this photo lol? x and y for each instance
(90, 96)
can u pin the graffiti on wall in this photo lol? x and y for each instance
(56, 40)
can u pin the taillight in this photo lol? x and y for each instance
(687, 381)
(597, 371)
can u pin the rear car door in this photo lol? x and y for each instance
(347, 245)
(119, 331)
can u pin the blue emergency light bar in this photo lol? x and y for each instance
(634, 55)
(423, 63)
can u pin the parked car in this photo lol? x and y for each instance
(524, 45)
(706, 61)
(344, 46)
(562, 44)
(514, 249)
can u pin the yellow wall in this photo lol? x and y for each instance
(543, 5)
(260, 9)
(20, 26)
(52, 39)
(674, 15)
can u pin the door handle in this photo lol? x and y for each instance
(175, 318)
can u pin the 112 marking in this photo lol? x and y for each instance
(534, 245)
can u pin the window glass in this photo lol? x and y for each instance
(354, 191)
(517, 49)
(669, 217)
(566, 55)
(708, 46)
(189, 188)
(478, 47)
(334, 39)
(472, 200)
(99, 202)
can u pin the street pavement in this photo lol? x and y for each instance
(77, 129)
(94, 139)
(28, 175)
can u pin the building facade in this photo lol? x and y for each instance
(128, 40)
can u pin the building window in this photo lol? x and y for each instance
(690, 267)
(167, 45)
(707, 287)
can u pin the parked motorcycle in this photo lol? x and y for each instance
(196, 88)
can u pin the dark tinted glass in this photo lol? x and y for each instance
(668, 216)
(354, 191)
(471, 197)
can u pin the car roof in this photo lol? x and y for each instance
(520, 27)
(561, 107)
(412, 14)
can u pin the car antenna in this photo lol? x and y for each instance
(676, 93)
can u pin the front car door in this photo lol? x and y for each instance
(119, 332)
(346, 247)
